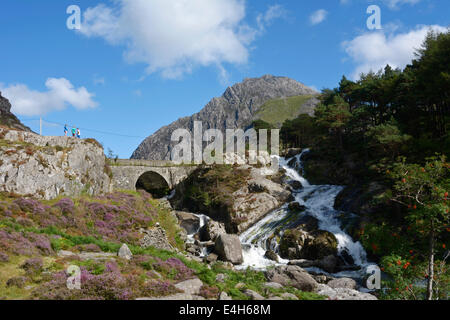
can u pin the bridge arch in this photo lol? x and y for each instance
(153, 183)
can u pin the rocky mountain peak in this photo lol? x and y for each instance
(5, 106)
(7, 118)
(236, 108)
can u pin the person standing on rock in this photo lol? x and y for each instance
(65, 130)
(74, 132)
(78, 133)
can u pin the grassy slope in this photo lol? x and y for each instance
(277, 111)
(31, 230)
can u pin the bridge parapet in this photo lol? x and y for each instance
(127, 172)
(142, 163)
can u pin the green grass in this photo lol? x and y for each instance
(276, 111)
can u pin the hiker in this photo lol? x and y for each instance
(78, 133)
(74, 132)
(65, 130)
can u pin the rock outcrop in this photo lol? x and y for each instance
(236, 196)
(236, 108)
(47, 167)
(155, 237)
(7, 118)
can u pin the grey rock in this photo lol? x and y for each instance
(65, 253)
(342, 283)
(178, 296)
(328, 263)
(289, 296)
(192, 286)
(303, 263)
(292, 276)
(188, 221)
(343, 293)
(155, 237)
(271, 255)
(96, 256)
(211, 258)
(253, 295)
(236, 108)
(211, 230)
(273, 285)
(221, 277)
(125, 252)
(228, 247)
(224, 296)
(321, 278)
(239, 285)
(275, 298)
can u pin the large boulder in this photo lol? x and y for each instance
(211, 230)
(292, 276)
(271, 255)
(229, 248)
(296, 207)
(322, 244)
(292, 242)
(188, 221)
(328, 263)
(125, 252)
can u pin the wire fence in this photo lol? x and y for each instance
(58, 124)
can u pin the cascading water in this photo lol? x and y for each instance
(319, 202)
(190, 237)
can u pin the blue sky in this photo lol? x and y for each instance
(137, 65)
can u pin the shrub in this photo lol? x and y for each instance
(4, 257)
(33, 266)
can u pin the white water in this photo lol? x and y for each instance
(190, 237)
(319, 202)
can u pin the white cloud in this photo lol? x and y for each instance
(175, 36)
(274, 12)
(394, 4)
(318, 16)
(60, 94)
(98, 80)
(373, 50)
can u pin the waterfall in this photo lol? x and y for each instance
(319, 202)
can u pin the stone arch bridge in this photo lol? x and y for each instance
(156, 177)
